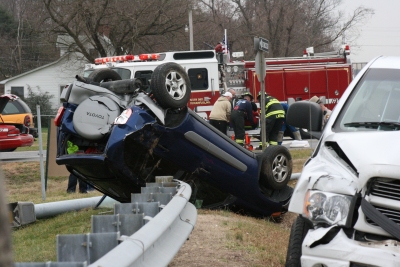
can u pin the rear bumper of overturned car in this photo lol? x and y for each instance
(345, 251)
(104, 175)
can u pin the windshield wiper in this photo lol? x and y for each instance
(374, 125)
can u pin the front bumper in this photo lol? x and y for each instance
(344, 251)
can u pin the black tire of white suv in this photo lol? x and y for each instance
(276, 167)
(170, 86)
(104, 75)
(298, 232)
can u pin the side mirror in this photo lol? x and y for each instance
(306, 115)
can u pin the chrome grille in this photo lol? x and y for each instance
(386, 188)
(393, 215)
(389, 189)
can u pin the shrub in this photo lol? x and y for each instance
(46, 109)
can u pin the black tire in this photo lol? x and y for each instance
(8, 150)
(104, 75)
(289, 133)
(276, 167)
(298, 232)
(305, 135)
(170, 86)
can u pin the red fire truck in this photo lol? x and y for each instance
(326, 75)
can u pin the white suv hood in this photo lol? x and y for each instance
(369, 148)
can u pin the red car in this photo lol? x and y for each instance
(10, 134)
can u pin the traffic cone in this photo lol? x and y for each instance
(247, 139)
(233, 137)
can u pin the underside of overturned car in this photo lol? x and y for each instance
(119, 135)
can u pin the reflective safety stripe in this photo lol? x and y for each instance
(278, 113)
(240, 141)
(271, 102)
(273, 143)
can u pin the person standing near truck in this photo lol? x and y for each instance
(293, 130)
(234, 97)
(221, 112)
(274, 118)
(241, 112)
(325, 111)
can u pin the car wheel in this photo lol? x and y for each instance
(276, 167)
(104, 75)
(298, 232)
(170, 86)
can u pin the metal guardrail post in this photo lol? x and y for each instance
(138, 234)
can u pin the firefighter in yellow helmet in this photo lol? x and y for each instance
(274, 118)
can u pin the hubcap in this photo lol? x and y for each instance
(175, 85)
(280, 168)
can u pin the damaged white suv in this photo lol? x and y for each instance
(348, 195)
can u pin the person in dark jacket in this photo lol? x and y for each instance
(274, 118)
(242, 111)
(73, 182)
(295, 133)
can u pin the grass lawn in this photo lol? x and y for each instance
(36, 242)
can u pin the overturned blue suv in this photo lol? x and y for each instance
(119, 134)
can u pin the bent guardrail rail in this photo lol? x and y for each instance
(154, 241)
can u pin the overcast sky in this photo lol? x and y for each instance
(380, 35)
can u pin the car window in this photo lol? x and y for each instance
(144, 76)
(373, 104)
(124, 73)
(16, 107)
(86, 73)
(198, 78)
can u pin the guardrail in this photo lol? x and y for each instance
(149, 231)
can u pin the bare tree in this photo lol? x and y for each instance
(24, 47)
(289, 25)
(129, 27)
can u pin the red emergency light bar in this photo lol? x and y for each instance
(103, 60)
(142, 57)
(149, 56)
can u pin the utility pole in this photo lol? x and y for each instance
(191, 30)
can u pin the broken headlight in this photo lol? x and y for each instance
(325, 207)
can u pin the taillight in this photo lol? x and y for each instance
(13, 132)
(60, 113)
(27, 121)
(123, 118)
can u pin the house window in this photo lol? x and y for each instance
(18, 90)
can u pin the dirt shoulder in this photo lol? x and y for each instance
(223, 239)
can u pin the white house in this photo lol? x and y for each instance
(51, 77)
(48, 78)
